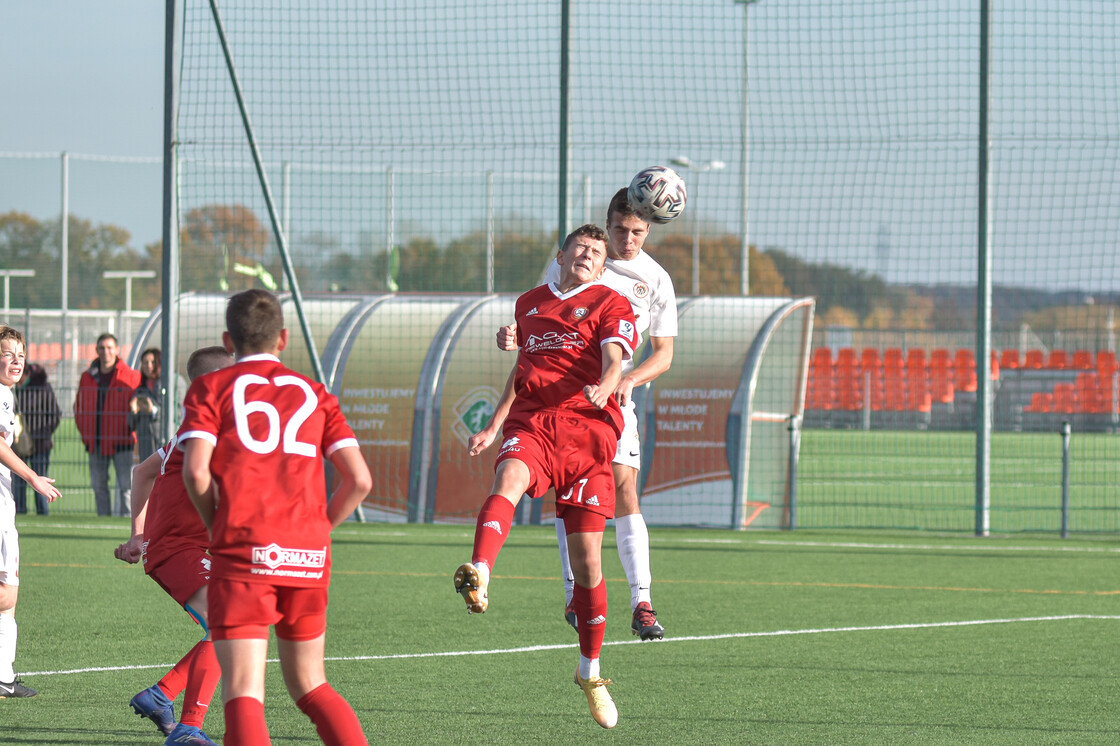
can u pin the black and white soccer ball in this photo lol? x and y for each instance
(657, 194)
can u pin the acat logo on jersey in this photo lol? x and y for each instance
(275, 555)
(553, 341)
(641, 290)
(579, 313)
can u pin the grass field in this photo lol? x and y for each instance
(809, 637)
(927, 480)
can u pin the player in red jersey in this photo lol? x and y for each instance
(254, 439)
(170, 539)
(561, 431)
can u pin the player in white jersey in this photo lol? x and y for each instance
(637, 276)
(11, 368)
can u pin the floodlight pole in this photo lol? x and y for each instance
(983, 294)
(744, 137)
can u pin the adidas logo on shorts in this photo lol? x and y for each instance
(494, 525)
(593, 500)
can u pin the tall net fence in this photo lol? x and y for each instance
(413, 150)
(408, 143)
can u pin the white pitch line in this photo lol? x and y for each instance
(695, 638)
(931, 547)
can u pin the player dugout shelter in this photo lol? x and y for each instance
(416, 375)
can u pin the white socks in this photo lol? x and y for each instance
(565, 563)
(633, 552)
(588, 668)
(7, 648)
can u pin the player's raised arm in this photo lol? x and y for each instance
(197, 478)
(599, 394)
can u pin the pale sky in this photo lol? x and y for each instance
(846, 166)
(82, 76)
(85, 77)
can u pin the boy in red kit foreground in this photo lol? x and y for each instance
(254, 438)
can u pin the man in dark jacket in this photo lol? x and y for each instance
(101, 414)
(41, 414)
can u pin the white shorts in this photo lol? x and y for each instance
(9, 557)
(629, 451)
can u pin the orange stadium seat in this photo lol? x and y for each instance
(1041, 403)
(941, 385)
(849, 388)
(1034, 360)
(1063, 398)
(820, 391)
(964, 370)
(1087, 394)
(894, 387)
(917, 389)
(1106, 362)
(939, 358)
(1083, 360)
(1009, 359)
(1058, 360)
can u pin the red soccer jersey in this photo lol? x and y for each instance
(172, 523)
(561, 336)
(271, 428)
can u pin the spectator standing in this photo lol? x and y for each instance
(38, 405)
(101, 414)
(143, 407)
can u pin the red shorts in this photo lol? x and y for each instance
(569, 452)
(245, 611)
(182, 574)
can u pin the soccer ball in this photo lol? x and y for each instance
(657, 194)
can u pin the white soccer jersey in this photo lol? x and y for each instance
(647, 286)
(7, 430)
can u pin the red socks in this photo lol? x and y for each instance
(590, 605)
(202, 680)
(332, 715)
(334, 719)
(491, 529)
(174, 680)
(245, 725)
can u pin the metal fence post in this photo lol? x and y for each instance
(794, 428)
(1065, 431)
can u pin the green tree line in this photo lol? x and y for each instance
(226, 248)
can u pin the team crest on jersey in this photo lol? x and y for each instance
(641, 290)
(579, 313)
